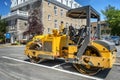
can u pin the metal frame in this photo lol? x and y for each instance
(86, 12)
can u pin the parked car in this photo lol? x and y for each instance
(106, 38)
(115, 39)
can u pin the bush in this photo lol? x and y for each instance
(2, 41)
(14, 44)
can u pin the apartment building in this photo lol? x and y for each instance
(104, 29)
(50, 14)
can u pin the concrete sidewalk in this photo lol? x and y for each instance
(9, 45)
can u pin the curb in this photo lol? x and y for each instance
(3, 46)
(16, 46)
(116, 64)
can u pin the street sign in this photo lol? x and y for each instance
(8, 35)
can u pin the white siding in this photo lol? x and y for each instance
(14, 3)
(17, 2)
(71, 3)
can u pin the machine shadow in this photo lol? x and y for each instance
(27, 60)
(69, 67)
(103, 73)
(49, 63)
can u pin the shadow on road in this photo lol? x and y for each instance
(103, 73)
(28, 60)
(69, 67)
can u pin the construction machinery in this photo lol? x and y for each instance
(74, 46)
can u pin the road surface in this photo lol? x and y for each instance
(14, 65)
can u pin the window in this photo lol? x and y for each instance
(62, 1)
(21, 1)
(55, 23)
(48, 3)
(67, 2)
(24, 37)
(13, 23)
(48, 30)
(55, 10)
(75, 5)
(25, 23)
(49, 17)
(71, 2)
(61, 12)
(12, 27)
(17, 2)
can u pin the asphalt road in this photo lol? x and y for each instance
(14, 65)
(118, 49)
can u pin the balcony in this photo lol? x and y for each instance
(23, 4)
(16, 14)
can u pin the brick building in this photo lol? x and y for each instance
(104, 29)
(52, 13)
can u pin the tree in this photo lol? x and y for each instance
(35, 20)
(35, 23)
(3, 29)
(112, 16)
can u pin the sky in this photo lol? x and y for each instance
(5, 7)
(97, 4)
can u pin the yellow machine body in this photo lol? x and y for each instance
(54, 45)
(106, 58)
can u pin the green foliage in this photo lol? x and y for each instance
(112, 17)
(3, 26)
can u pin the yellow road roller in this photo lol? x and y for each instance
(74, 45)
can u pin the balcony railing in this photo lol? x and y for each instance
(17, 13)
(22, 4)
